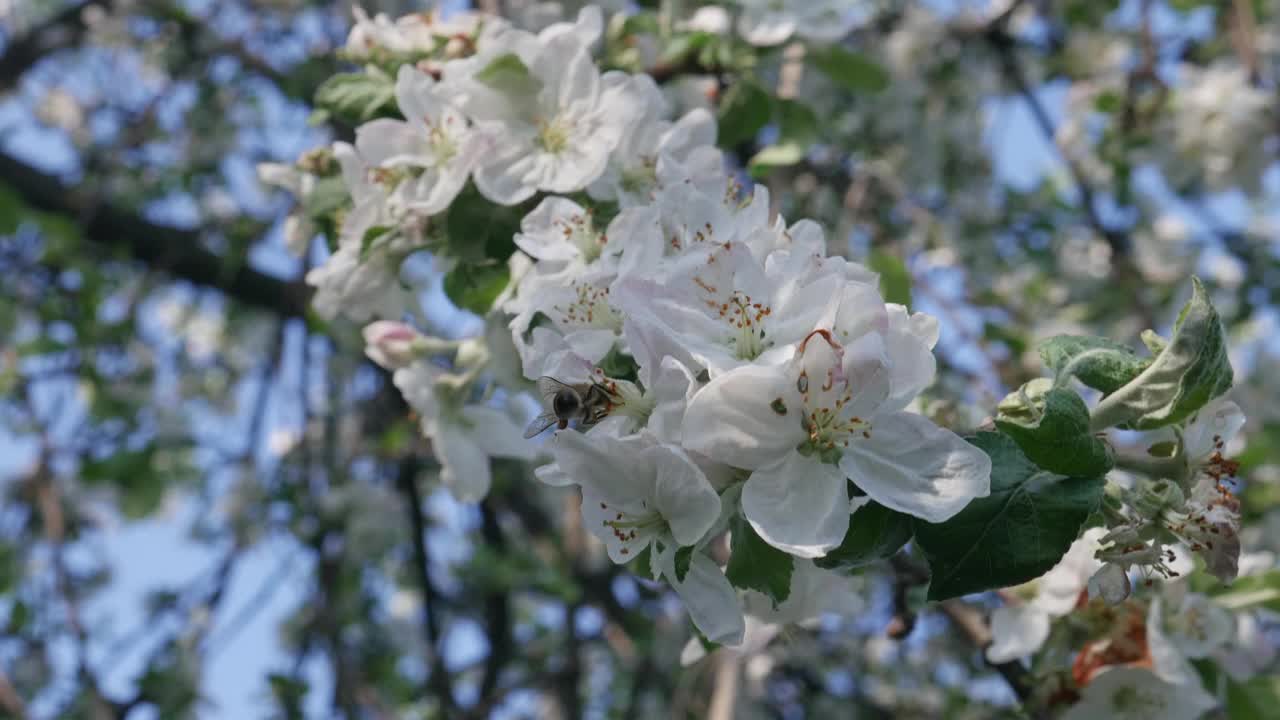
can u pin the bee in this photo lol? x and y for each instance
(585, 403)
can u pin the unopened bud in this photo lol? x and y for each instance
(393, 345)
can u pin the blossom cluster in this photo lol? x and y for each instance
(718, 379)
(738, 376)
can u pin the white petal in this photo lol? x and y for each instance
(614, 469)
(1111, 583)
(909, 343)
(552, 475)
(1017, 632)
(671, 392)
(913, 466)
(799, 505)
(497, 434)
(464, 465)
(747, 418)
(597, 513)
(682, 494)
(712, 602)
(1220, 418)
(544, 232)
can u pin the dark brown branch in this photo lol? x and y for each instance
(169, 249)
(497, 610)
(407, 480)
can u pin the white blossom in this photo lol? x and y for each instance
(771, 22)
(807, 426)
(463, 435)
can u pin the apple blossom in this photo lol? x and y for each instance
(430, 155)
(638, 495)
(807, 426)
(463, 435)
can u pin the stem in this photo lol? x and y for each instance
(1174, 468)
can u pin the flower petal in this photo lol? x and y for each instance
(464, 465)
(909, 343)
(913, 466)
(799, 505)
(497, 434)
(747, 418)
(614, 469)
(712, 602)
(682, 494)
(1017, 632)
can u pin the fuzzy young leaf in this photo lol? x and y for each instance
(1013, 535)
(357, 97)
(1051, 426)
(1100, 363)
(853, 71)
(1192, 370)
(756, 565)
(875, 533)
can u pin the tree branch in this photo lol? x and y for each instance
(173, 250)
(407, 479)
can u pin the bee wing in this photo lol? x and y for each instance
(540, 423)
(549, 386)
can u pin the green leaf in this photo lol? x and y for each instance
(641, 565)
(1192, 370)
(895, 279)
(851, 70)
(479, 230)
(509, 75)
(327, 196)
(683, 557)
(1051, 426)
(797, 122)
(744, 110)
(475, 287)
(1100, 363)
(371, 236)
(357, 97)
(1015, 534)
(875, 533)
(756, 565)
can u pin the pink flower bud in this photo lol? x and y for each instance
(392, 345)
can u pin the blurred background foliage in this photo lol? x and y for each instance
(1011, 168)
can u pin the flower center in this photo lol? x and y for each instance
(827, 424)
(441, 144)
(580, 231)
(641, 178)
(590, 308)
(553, 137)
(626, 527)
